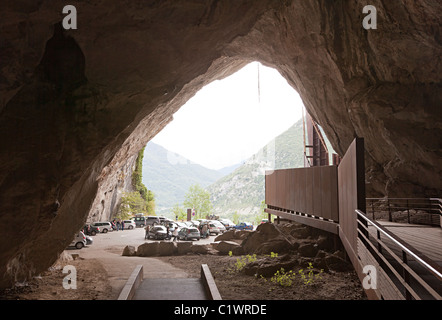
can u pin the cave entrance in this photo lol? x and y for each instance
(232, 129)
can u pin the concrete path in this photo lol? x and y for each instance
(107, 249)
(171, 289)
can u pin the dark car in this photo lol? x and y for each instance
(189, 233)
(244, 226)
(90, 230)
(228, 224)
(158, 233)
(140, 221)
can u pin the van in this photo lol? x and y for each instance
(104, 226)
(152, 220)
(140, 221)
(129, 224)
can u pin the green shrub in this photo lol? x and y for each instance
(309, 277)
(283, 278)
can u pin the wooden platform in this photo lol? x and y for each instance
(426, 239)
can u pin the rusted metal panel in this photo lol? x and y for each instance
(351, 195)
(311, 191)
(301, 207)
(292, 189)
(334, 199)
(318, 193)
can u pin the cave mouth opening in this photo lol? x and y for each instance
(225, 125)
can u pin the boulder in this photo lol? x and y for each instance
(238, 251)
(224, 247)
(325, 243)
(233, 234)
(308, 250)
(201, 248)
(241, 234)
(148, 249)
(166, 248)
(269, 230)
(228, 235)
(129, 251)
(336, 263)
(276, 245)
(183, 248)
(268, 266)
(300, 233)
(268, 238)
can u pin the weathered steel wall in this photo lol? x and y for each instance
(311, 191)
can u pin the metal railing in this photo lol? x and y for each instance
(411, 210)
(398, 268)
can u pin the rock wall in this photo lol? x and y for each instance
(75, 105)
(108, 199)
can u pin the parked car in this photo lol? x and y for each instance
(129, 224)
(168, 223)
(195, 223)
(213, 229)
(105, 227)
(89, 240)
(189, 233)
(244, 226)
(140, 221)
(264, 221)
(219, 225)
(158, 232)
(152, 220)
(90, 230)
(227, 223)
(162, 219)
(79, 241)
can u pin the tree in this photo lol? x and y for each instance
(150, 199)
(179, 212)
(235, 217)
(198, 198)
(262, 214)
(131, 203)
(140, 188)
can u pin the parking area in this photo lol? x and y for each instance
(108, 247)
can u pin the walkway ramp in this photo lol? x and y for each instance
(171, 289)
(137, 288)
(393, 261)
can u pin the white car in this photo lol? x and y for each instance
(129, 224)
(104, 226)
(219, 225)
(79, 241)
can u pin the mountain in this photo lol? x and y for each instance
(242, 191)
(227, 170)
(170, 175)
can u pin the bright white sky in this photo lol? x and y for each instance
(225, 123)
